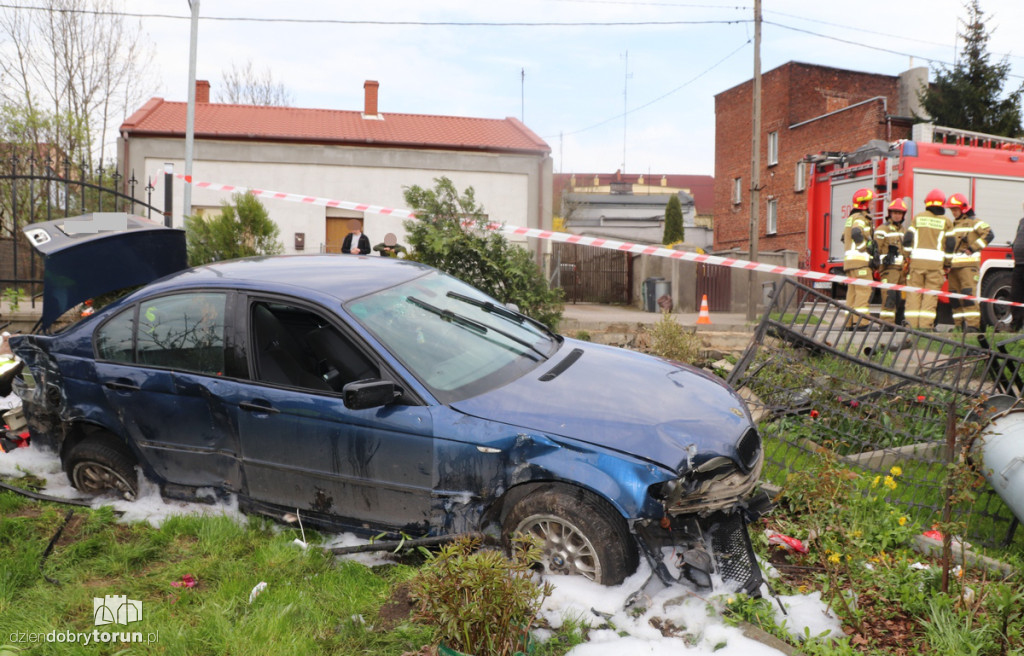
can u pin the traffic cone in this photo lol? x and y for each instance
(704, 317)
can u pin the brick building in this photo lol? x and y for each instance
(805, 109)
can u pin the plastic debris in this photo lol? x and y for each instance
(260, 587)
(786, 542)
(187, 581)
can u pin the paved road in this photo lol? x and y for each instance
(591, 316)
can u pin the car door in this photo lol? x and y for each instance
(302, 448)
(161, 365)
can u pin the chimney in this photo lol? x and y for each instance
(370, 109)
(202, 91)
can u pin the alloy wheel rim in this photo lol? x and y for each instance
(95, 478)
(564, 548)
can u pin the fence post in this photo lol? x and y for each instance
(168, 193)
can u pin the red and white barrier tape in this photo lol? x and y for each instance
(597, 242)
(299, 198)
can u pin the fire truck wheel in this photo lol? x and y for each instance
(996, 285)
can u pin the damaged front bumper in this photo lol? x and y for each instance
(703, 551)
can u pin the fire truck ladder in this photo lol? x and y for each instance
(883, 185)
(960, 137)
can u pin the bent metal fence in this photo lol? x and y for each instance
(877, 399)
(35, 188)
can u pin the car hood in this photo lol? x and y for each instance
(664, 412)
(89, 255)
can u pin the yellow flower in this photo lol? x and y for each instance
(903, 521)
(833, 558)
(856, 534)
(890, 482)
(874, 483)
(896, 471)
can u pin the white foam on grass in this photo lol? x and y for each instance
(615, 631)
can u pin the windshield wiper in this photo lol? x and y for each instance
(502, 312)
(471, 324)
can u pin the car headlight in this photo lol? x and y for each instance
(716, 483)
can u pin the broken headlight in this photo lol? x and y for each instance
(715, 484)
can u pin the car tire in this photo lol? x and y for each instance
(578, 533)
(97, 466)
(996, 285)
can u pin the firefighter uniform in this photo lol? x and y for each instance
(857, 264)
(889, 244)
(972, 235)
(929, 244)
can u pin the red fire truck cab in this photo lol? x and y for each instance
(989, 170)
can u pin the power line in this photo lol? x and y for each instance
(658, 99)
(396, 23)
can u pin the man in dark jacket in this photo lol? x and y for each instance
(355, 243)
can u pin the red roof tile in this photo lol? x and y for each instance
(326, 126)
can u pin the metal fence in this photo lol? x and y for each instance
(35, 188)
(592, 275)
(876, 399)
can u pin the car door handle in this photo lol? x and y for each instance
(121, 386)
(258, 407)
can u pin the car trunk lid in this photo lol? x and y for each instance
(92, 254)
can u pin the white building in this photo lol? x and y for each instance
(364, 157)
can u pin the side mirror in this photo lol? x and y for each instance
(363, 394)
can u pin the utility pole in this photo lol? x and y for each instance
(190, 116)
(755, 166)
(522, 95)
(625, 111)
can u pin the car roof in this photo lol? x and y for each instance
(343, 277)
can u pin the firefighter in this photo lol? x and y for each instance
(889, 243)
(857, 260)
(929, 244)
(972, 234)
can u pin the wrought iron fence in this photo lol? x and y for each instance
(876, 399)
(34, 188)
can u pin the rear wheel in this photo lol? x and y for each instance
(101, 465)
(996, 285)
(577, 533)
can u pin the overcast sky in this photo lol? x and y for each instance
(578, 79)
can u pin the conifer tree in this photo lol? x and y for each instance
(969, 96)
(673, 222)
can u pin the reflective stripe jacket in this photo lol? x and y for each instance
(890, 234)
(972, 235)
(929, 240)
(856, 257)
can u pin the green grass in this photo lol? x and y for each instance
(312, 603)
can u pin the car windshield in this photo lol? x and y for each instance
(456, 340)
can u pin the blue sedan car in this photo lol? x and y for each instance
(374, 394)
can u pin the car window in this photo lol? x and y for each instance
(296, 347)
(455, 339)
(183, 331)
(114, 339)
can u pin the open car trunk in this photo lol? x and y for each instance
(92, 254)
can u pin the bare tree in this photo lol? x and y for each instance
(78, 63)
(243, 85)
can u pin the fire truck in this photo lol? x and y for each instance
(988, 170)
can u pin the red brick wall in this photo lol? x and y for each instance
(790, 95)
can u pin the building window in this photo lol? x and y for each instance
(773, 148)
(773, 216)
(737, 191)
(800, 177)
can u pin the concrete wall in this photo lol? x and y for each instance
(514, 189)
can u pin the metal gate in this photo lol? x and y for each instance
(716, 282)
(592, 275)
(36, 189)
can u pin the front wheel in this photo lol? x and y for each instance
(997, 286)
(97, 466)
(577, 533)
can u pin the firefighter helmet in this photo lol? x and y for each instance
(897, 206)
(958, 201)
(934, 198)
(861, 198)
